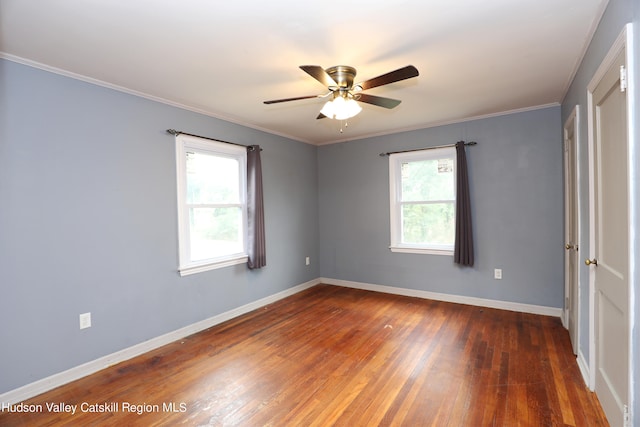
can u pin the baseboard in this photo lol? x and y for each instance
(38, 387)
(481, 302)
(565, 320)
(584, 369)
(41, 386)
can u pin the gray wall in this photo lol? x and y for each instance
(88, 223)
(617, 14)
(516, 196)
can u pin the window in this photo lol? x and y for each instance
(212, 211)
(423, 201)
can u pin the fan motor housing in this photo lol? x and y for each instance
(343, 75)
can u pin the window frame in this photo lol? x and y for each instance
(395, 192)
(189, 143)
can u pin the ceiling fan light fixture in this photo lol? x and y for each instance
(341, 108)
(339, 82)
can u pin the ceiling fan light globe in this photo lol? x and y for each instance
(341, 108)
(350, 109)
(328, 110)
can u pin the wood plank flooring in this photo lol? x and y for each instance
(337, 356)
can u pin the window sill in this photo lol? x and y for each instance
(423, 251)
(212, 265)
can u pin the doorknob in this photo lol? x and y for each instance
(568, 246)
(591, 261)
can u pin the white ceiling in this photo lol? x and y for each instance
(224, 58)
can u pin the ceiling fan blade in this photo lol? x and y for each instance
(275, 101)
(391, 77)
(378, 100)
(318, 73)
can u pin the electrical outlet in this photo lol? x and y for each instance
(85, 320)
(306, 261)
(497, 273)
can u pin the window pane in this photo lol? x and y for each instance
(428, 223)
(215, 232)
(212, 179)
(428, 180)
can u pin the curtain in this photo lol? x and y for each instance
(463, 251)
(255, 210)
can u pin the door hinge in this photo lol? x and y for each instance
(623, 78)
(627, 420)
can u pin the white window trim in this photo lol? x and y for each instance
(395, 191)
(185, 143)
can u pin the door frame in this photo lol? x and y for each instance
(572, 122)
(624, 41)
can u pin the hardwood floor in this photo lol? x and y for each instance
(345, 357)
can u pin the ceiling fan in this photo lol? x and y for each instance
(344, 94)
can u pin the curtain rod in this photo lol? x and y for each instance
(178, 132)
(427, 148)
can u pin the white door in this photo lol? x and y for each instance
(609, 265)
(571, 229)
